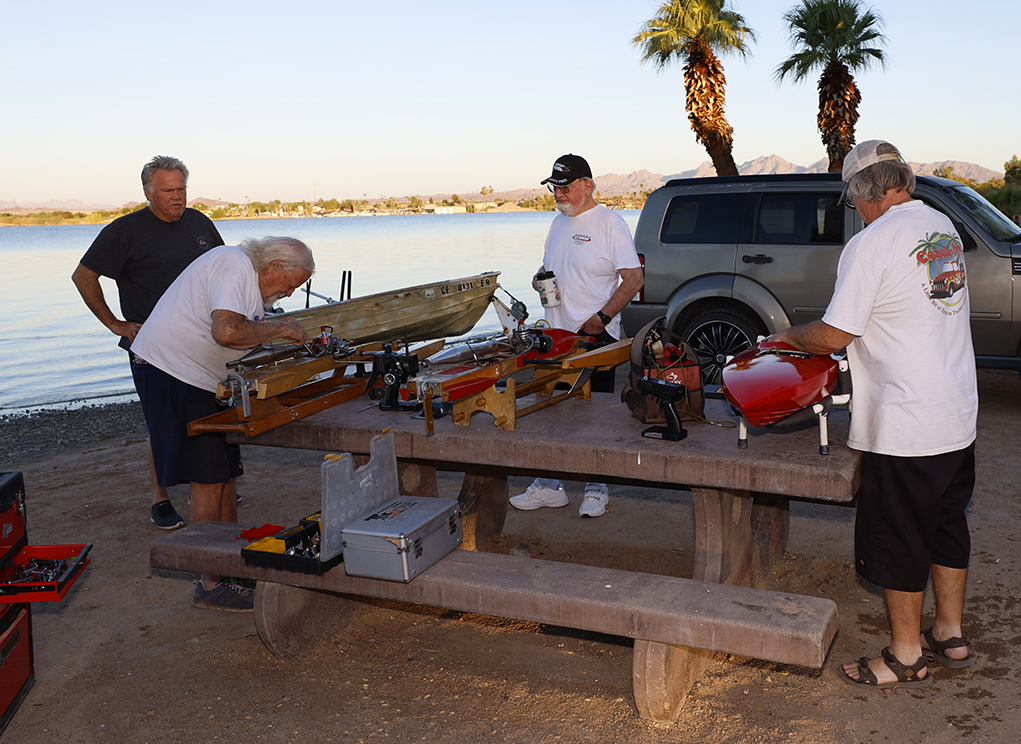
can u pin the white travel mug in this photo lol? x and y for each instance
(549, 295)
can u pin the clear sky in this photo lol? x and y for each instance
(349, 99)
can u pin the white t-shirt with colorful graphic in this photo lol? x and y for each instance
(178, 336)
(585, 252)
(901, 290)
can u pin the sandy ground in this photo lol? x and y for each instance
(126, 658)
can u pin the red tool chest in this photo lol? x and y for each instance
(28, 573)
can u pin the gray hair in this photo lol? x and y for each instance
(158, 163)
(290, 253)
(872, 183)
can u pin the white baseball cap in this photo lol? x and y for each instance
(863, 155)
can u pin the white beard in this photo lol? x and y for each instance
(566, 209)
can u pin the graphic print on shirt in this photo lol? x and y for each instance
(578, 239)
(943, 257)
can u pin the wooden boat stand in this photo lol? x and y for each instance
(270, 413)
(280, 395)
(475, 390)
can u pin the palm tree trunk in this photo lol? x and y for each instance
(705, 95)
(838, 112)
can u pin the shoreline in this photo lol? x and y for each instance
(46, 433)
(500, 209)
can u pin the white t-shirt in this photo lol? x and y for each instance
(901, 291)
(178, 336)
(585, 252)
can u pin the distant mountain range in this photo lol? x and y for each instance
(611, 184)
(71, 205)
(614, 184)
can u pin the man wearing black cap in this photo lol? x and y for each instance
(590, 250)
(909, 345)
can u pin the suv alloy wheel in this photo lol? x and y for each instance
(718, 335)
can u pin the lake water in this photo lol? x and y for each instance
(55, 353)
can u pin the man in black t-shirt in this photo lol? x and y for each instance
(144, 252)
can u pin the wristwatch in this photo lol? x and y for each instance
(604, 318)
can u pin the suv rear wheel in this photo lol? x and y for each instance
(718, 334)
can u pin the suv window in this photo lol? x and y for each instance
(705, 218)
(991, 218)
(794, 219)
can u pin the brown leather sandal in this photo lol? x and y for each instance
(907, 676)
(937, 651)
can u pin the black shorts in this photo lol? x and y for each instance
(911, 514)
(169, 404)
(604, 381)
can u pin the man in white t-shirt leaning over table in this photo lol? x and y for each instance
(590, 251)
(210, 316)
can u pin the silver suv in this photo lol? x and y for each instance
(729, 259)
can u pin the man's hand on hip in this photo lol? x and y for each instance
(593, 326)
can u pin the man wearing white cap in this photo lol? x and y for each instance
(590, 250)
(900, 306)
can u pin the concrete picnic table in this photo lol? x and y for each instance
(741, 513)
(740, 496)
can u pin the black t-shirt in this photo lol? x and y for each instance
(144, 255)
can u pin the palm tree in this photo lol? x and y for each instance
(838, 36)
(693, 30)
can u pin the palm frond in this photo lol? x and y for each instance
(693, 31)
(669, 34)
(824, 30)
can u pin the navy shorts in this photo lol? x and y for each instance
(169, 404)
(911, 514)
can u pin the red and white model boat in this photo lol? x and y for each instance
(776, 386)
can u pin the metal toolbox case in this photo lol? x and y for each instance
(402, 538)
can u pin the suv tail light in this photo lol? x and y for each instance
(641, 292)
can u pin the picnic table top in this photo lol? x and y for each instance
(598, 439)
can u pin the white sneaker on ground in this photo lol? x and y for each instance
(597, 496)
(539, 494)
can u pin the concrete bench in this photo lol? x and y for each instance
(677, 624)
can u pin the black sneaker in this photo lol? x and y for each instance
(227, 595)
(164, 516)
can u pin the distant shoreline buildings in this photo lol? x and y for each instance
(614, 190)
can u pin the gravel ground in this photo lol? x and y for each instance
(125, 658)
(43, 433)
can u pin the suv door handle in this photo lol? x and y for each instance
(758, 258)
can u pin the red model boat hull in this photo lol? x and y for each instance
(767, 383)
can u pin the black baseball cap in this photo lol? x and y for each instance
(568, 168)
